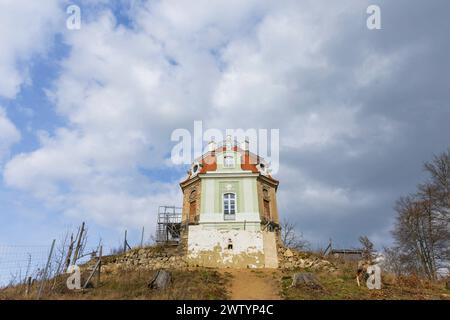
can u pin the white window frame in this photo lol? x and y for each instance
(227, 214)
(228, 164)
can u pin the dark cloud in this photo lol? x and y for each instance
(412, 98)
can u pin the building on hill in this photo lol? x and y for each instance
(230, 209)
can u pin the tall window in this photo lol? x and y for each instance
(266, 209)
(229, 205)
(192, 206)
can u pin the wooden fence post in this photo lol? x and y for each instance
(28, 288)
(44, 276)
(99, 265)
(77, 249)
(142, 237)
(125, 242)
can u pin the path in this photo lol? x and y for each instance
(254, 284)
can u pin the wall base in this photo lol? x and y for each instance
(229, 248)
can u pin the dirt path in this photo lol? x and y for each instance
(254, 284)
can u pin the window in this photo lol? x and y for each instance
(192, 211)
(267, 210)
(228, 161)
(229, 205)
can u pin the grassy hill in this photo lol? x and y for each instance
(223, 284)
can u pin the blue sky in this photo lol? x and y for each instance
(86, 115)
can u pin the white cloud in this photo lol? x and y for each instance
(124, 90)
(247, 64)
(26, 29)
(9, 134)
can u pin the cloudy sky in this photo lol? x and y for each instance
(86, 115)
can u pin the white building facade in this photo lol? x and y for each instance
(230, 210)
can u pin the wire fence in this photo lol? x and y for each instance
(35, 271)
(18, 263)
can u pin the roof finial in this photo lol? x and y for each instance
(228, 142)
(211, 145)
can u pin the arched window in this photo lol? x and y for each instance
(192, 206)
(229, 205)
(193, 195)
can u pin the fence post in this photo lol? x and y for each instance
(99, 265)
(27, 290)
(92, 274)
(77, 248)
(142, 237)
(44, 277)
(69, 253)
(125, 242)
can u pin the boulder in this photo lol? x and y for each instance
(307, 279)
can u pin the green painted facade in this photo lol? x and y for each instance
(225, 180)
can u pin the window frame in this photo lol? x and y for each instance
(227, 213)
(230, 165)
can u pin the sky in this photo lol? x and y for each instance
(86, 115)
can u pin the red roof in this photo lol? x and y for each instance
(208, 161)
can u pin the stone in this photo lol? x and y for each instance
(307, 279)
(288, 253)
(301, 264)
(161, 280)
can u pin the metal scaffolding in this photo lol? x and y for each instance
(168, 227)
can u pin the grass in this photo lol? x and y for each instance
(341, 285)
(211, 284)
(132, 285)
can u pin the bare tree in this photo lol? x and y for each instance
(421, 231)
(399, 262)
(439, 170)
(367, 247)
(290, 238)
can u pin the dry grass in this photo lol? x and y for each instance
(203, 283)
(132, 285)
(341, 285)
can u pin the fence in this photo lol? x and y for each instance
(30, 266)
(17, 263)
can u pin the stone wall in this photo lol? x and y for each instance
(151, 258)
(291, 259)
(161, 257)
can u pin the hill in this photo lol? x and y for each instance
(127, 276)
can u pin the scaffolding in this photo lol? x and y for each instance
(168, 228)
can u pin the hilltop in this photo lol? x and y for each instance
(126, 276)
